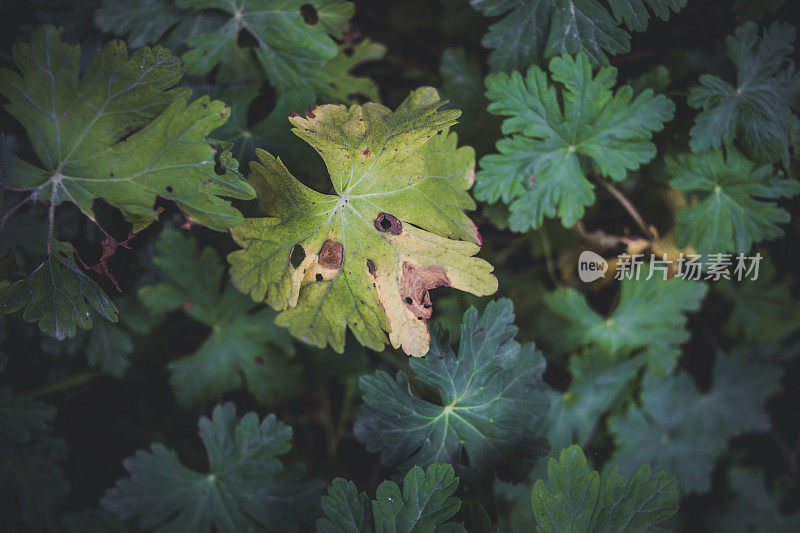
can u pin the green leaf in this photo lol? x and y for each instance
(763, 309)
(735, 205)
(118, 133)
(366, 256)
(679, 428)
(289, 50)
(143, 22)
(271, 130)
(491, 407)
(758, 108)
(32, 484)
(58, 295)
(650, 317)
(107, 346)
(462, 86)
(557, 137)
(533, 31)
(236, 350)
(595, 388)
(426, 503)
(246, 488)
(752, 508)
(576, 498)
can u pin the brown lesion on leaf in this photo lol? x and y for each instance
(365, 152)
(386, 223)
(371, 268)
(331, 254)
(310, 112)
(415, 284)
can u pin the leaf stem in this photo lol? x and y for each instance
(629, 207)
(66, 383)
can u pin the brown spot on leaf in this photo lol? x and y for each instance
(371, 267)
(310, 112)
(386, 223)
(292, 114)
(331, 254)
(415, 282)
(365, 152)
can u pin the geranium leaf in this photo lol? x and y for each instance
(533, 31)
(633, 326)
(366, 255)
(758, 109)
(425, 503)
(118, 133)
(679, 428)
(576, 498)
(492, 402)
(553, 143)
(236, 351)
(58, 295)
(247, 486)
(735, 205)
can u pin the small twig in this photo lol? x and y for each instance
(67, 383)
(598, 237)
(783, 446)
(548, 250)
(629, 207)
(13, 210)
(347, 402)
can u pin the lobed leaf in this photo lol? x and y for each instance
(366, 256)
(236, 350)
(491, 409)
(557, 136)
(247, 487)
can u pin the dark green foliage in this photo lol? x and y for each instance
(246, 485)
(244, 345)
(516, 146)
(425, 503)
(491, 402)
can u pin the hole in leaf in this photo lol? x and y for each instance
(386, 223)
(409, 301)
(319, 277)
(309, 14)
(245, 39)
(297, 256)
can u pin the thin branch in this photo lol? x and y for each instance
(67, 383)
(548, 250)
(629, 207)
(783, 446)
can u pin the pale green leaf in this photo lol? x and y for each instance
(365, 256)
